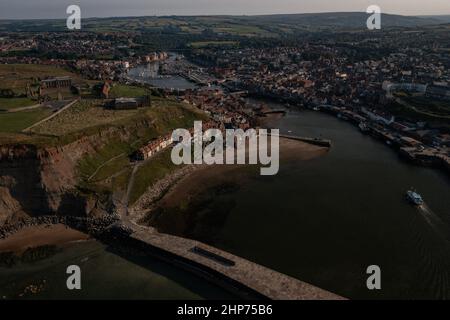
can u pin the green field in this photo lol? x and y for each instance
(126, 91)
(242, 30)
(17, 121)
(203, 44)
(246, 25)
(82, 116)
(14, 103)
(17, 76)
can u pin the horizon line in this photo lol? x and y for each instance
(223, 15)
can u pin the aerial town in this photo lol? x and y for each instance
(367, 92)
(86, 122)
(364, 92)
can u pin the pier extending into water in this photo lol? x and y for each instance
(316, 141)
(274, 111)
(242, 277)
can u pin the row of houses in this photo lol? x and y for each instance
(157, 145)
(153, 147)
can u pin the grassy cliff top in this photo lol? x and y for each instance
(88, 117)
(17, 76)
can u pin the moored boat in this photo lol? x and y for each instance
(364, 127)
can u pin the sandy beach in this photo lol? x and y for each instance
(209, 176)
(36, 236)
(199, 180)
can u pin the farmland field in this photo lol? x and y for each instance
(13, 103)
(17, 76)
(83, 115)
(126, 91)
(202, 44)
(17, 121)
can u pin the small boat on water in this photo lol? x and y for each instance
(414, 197)
(364, 127)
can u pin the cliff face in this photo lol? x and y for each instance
(38, 181)
(42, 180)
(8, 205)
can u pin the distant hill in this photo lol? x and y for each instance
(442, 18)
(259, 25)
(345, 20)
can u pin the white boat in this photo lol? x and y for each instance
(414, 198)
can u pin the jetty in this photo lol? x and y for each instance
(316, 141)
(274, 111)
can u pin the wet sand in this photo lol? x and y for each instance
(203, 177)
(209, 176)
(36, 236)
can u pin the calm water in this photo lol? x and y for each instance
(326, 220)
(150, 74)
(105, 275)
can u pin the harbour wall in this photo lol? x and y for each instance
(245, 279)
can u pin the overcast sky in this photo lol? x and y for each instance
(21, 9)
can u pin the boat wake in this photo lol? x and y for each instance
(432, 277)
(433, 219)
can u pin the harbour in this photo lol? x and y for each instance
(355, 195)
(366, 177)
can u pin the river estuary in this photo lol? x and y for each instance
(326, 220)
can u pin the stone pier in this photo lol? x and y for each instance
(224, 269)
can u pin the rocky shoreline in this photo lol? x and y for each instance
(150, 198)
(91, 226)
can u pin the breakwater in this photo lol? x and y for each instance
(240, 276)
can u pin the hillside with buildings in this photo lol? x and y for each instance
(73, 151)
